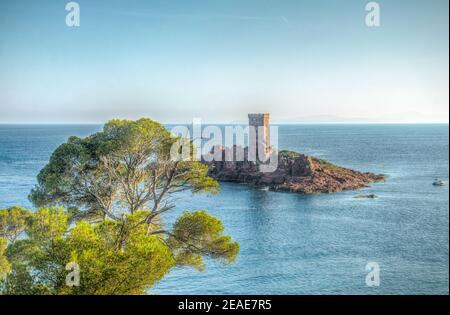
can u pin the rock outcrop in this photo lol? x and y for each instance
(370, 196)
(295, 173)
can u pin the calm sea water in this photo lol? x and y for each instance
(293, 244)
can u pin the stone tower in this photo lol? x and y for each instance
(257, 121)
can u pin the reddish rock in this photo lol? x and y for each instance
(295, 173)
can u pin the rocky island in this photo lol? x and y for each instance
(295, 172)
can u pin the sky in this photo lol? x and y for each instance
(218, 60)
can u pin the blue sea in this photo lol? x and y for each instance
(294, 244)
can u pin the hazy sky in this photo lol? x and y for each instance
(173, 60)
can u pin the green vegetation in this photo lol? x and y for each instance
(322, 163)
(5, 267)
(289, 154)
(327, 165)
(100, 201)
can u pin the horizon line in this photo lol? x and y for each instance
(244, 123)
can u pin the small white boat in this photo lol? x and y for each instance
(438, 182)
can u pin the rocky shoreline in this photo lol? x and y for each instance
(296, 173)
